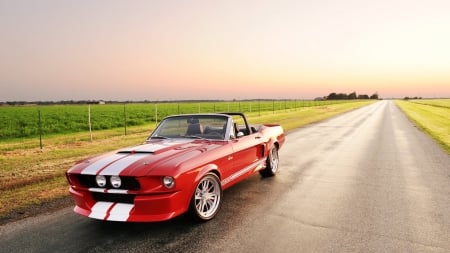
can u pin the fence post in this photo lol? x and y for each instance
(125, 118)
(40, 127)
(259, 107)
(89, 121)
(273, 106)
(156, 114)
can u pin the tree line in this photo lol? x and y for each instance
(331, 96)
(353, 95)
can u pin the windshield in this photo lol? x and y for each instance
(192, 126)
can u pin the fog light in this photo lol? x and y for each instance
(115, 181)
(100, 180)
(168, 182)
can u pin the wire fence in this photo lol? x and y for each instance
(31, 121)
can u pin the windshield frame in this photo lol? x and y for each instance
(203, 119)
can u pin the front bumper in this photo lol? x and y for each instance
(144, 208)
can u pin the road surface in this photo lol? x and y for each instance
(365, 181)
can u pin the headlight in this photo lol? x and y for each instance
(168, 182)
(115, 181)
(100, 180)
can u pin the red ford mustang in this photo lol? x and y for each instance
(182, 167)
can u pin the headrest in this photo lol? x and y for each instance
(193, 121)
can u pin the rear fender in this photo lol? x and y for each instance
(269, 145)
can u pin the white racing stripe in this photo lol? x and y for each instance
(120, 212)
(241, 172)
(100, 210)
(155, 147)
(151, 148)
(117, 167)
(111, 211)
(114, 164)
(100, 164)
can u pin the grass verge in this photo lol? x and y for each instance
(30, 176)
(432, 117)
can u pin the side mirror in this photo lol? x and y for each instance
(240, 134)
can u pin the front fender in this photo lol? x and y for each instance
(200, 173)
(206, 169)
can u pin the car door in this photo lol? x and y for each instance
(246, 154)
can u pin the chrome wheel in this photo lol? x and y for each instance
(207, 198)
(274, 160)
(272, 163)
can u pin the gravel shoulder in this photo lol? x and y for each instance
(37, 209)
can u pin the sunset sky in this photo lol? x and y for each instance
(168, 50)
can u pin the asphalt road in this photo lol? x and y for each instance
(366, 181)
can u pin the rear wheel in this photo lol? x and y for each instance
(207, 197)
(272, 163)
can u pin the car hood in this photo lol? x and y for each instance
(156, 157)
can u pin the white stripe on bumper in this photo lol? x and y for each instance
(111, 211)
(100, 210)
(120, 212)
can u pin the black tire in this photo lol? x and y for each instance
(207, 198)
(272, 163)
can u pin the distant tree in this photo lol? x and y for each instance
(352, 95)
(332, 96)
(364, 96)
(342, 96)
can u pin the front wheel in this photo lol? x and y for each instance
(206, 200)
(272, 163)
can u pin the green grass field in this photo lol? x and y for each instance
(444, 103)
(30, 175)
(31, 120)
(432, 116)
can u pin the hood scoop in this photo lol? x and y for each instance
(134, 152)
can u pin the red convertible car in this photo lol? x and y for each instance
(182, 167)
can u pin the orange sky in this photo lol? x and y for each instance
(159, 50)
